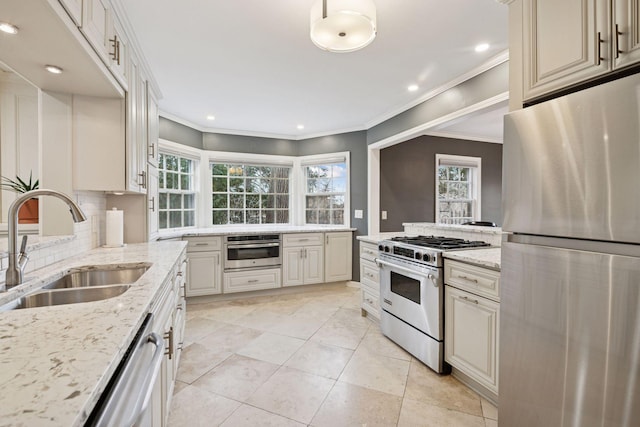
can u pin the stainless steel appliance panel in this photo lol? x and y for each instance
(571, 165)
(252, 251)
(570, 335)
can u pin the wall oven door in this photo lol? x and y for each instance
(414, 294)
(252, 252)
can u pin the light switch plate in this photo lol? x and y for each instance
(384, 214)
(358, 214)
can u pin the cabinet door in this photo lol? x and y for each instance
(137, 128)
(471, 336)
(313, 264)
(152, 202)
(292, 266)
(564, 43)
(96, 26)
(626, 32)
(119, 53)
(153, 127)
(204, 274)
(337, 255)
(74, 9)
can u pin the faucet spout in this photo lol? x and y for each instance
(16, 267)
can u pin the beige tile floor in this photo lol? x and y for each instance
(309, 359)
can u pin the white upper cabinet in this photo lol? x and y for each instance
(119, 53)
(96, 26)
(74, 9)
(153, 127)
(569, 42)
(626, 48)
(136, 145)
(565, 42)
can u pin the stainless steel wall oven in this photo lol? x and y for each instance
(252, 251)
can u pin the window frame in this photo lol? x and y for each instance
(172, 149)
(463, 161)
(323, 159)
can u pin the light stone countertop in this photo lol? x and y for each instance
(226, 230)
(34, 242)
(375, 238)
(56, 361)
(489, 258)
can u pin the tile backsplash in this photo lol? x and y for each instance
(44, 251)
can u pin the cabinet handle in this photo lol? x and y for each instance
(143, 175)
(152, 151)
(169, 336)
(327, 239)
(153, 204)
(201, 244)
(469, 279)
(115, 54)
(179, 273)
(600, 41)
(618, 34)
(179, 307)
(475, 301)
(252, 281)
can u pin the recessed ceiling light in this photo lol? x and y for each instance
(53, 69)
(300, 127)
(412, 88)
(211, 117)
(5, 27)
(482, 47)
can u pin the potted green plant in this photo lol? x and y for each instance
(28, 213)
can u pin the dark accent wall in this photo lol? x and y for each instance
(407, 179)
(176, 132)
(249, 144)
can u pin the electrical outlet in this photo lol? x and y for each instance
(384, 215)
(358, 214)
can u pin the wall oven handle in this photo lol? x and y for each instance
(253, 246)
(379, 262)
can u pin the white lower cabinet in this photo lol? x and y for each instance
(302, 259)
(205, 266)
(251, 280)
(369, 280)
(169, 322)
(471, 336)
(337, 252)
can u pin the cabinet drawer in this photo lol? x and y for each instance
(478, 280)
(201, 244)
(302, 239)
(368, 251)
(370, 303)
(242, 281)
(370, 275)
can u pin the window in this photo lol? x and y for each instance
(176, 192)
(458, 189)
(250, 194)
(326, 193)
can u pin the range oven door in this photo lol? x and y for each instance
(414, 294)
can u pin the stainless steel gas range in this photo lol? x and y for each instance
(412, 293)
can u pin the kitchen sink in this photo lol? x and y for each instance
(67, 296)
(82, 278)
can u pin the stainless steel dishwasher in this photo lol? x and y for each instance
(125, 402)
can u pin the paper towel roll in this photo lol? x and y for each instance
(115, 228)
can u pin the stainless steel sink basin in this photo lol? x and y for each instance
(86, 278)
(69, 296)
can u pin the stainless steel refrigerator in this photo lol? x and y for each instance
(570, 284)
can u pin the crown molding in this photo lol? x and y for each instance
(466, 137)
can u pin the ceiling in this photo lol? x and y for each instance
(251, 64)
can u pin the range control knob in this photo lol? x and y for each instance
(387, 249)
(380, 248)
(427, 257)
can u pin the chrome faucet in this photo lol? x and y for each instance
(16, 267)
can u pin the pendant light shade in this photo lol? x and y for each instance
(343, 25)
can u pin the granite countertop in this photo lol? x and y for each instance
(225, 230)
(489, 257)
(55, 361)
(455, 227)
(35, 242)
(375, 238)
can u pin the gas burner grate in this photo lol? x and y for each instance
(440, 242)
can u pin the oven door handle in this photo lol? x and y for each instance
(253, 246)
(381, 263)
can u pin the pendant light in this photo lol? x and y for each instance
(343, 25)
